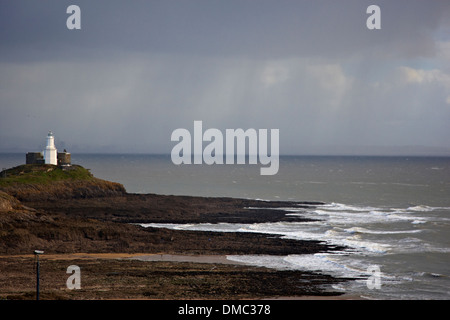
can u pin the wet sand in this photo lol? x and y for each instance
(137, 277)
(214, 259)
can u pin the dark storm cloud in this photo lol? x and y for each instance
(139, 69)
(265, 28)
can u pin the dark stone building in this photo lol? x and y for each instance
(64, 158)
(35, 158)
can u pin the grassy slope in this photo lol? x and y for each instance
(49, 182)
(41, 174)
(23, 228)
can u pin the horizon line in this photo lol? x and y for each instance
(418, 154)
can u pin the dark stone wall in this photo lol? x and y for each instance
(64, 158)
(34, 158)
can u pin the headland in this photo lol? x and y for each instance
(67, 212)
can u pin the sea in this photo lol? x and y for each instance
(392, 213)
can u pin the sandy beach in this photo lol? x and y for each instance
(159, 276)
(213, 259)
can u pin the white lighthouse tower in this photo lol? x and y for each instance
(50, 153)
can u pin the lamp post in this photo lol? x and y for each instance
(37, 253)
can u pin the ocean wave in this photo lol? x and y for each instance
(365, 217)
(424, 208)
(367, 246)
(335, 206)
(332, 264)
(342, 214)
(267, 261)
(364, 230)
(347, 214)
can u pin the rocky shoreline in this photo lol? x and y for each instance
(101, 221)
(108, 224)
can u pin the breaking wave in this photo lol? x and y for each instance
(370, 233)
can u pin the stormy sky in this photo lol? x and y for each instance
(137, 70)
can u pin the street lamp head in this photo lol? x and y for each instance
(38, 252)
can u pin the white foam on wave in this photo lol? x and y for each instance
(218, 227)
(332, 264)
(365, 230)
(353, 230)
(267, 261)
(424, 208)
(421, 208)
(366, 247)
(363, 217)
(292, 210)
(335, 206)
(338, 213)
